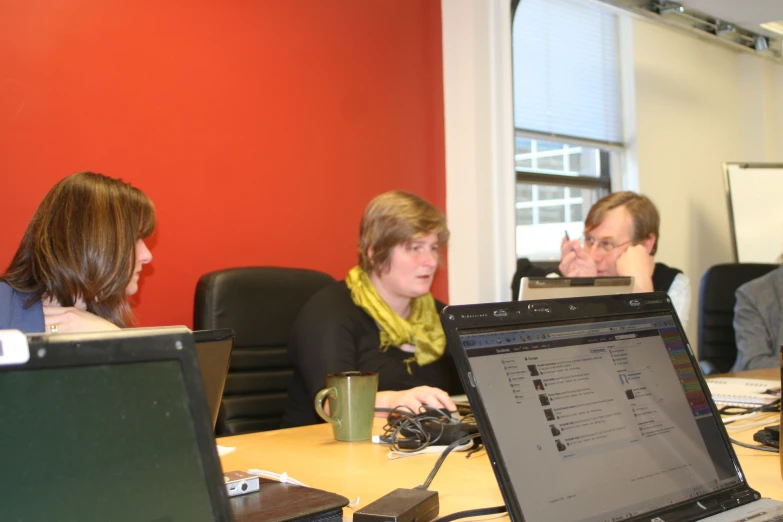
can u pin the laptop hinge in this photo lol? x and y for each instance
(743, 497)
(705, 506)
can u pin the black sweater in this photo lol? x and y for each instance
(331, 335)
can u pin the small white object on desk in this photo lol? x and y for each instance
(224, 450)
(746, 393)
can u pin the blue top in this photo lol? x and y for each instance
(13, 314)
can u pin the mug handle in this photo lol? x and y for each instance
(320, 397)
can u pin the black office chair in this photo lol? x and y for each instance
(717, 346)
(260, 304)
(527, 269)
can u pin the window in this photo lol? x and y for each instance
(566, 116)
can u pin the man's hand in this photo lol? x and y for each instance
(637, 262)
(414, 398)
(576, 261)
(71, 319)
(567, 246)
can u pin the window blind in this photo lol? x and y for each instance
(567, 70)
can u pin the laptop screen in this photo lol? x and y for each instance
(103, 441)
(598, 421)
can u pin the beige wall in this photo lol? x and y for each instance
(697, 105)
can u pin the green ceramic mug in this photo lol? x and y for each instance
(351, 402)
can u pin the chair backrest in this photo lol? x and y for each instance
(260, 304)
(717, 346)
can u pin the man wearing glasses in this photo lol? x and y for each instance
(621, 238)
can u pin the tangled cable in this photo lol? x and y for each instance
(406, 430)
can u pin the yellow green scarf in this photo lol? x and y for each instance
(421, 329)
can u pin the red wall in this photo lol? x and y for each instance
(260, 129)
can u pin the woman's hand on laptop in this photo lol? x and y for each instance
(70, 319)
(414, 398)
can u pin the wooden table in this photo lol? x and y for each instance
(761, 468)
(362, 470)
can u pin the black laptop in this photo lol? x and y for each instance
(213, 353)
(592, 409)
(107, 426)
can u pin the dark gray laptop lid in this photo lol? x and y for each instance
(593, 409)
(213, 352)
(213, 349)
(109, 426)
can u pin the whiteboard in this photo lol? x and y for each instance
(755, 196)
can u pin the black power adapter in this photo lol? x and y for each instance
(401, 505)
(769, 436)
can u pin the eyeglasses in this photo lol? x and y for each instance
(604, 245)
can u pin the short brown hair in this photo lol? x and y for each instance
(81, 243)
(644, 215)
(394, 218)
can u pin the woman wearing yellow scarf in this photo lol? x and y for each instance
(382, 318)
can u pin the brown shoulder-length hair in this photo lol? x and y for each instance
(81, 243)
(395, 218)
(644, 215)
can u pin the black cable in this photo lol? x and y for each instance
(472, 513)
(475, 450)
(407, 431)
(743, 410)
(439, 462)
(436, 468)
(753, 446)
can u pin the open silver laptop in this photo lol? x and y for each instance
(592, 410)
(535, 288)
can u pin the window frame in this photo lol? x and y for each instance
(611, 155)
(603, 180)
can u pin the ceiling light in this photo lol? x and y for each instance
(724, 29)
(665, 8)
(775, 27)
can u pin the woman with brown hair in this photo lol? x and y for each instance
(382, 318)
(80, 258)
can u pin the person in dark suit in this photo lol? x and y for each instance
(80, 258)
(382, 317)
(758, 322)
